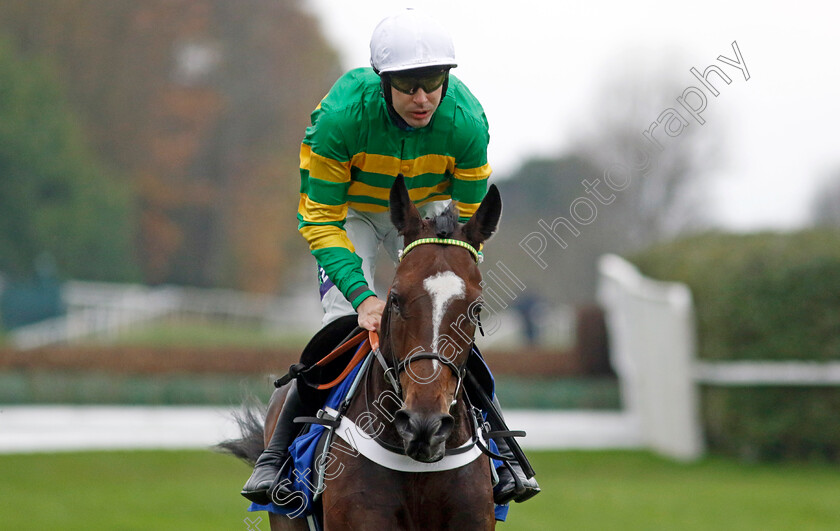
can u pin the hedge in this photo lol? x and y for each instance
(765, 296)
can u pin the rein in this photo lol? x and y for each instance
(300, 370)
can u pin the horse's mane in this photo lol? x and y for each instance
(445, 224)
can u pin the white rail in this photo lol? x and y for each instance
(765, 373)
(103, 309)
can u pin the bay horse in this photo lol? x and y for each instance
(425, 340)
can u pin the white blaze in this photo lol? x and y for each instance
(443, 288)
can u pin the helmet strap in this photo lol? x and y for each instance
(397, 119)
(445, 86)
(385, 90)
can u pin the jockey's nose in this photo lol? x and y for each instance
(424, 435)
(420, 96)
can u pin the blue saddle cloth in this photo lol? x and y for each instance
(303, 449)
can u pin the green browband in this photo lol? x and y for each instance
(478, 255)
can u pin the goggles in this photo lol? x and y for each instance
(409, 83)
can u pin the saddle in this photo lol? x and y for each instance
(308, 370)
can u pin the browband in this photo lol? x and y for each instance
(478, 255)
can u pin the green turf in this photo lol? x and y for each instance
(639, 491)
(100, 387)
(207, 334)
(519, 392)
(192, 490)
(121, 491)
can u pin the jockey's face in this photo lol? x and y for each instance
(416, 109)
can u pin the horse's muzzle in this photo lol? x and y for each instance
(424, 435)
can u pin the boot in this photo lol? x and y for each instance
(513, 484)
(271, 461)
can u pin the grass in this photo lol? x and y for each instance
(640, 491)
(100, 387)
(198, 333)
(192, 490)
(519, 392)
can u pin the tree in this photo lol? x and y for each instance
(55, 198)
(665, 181)
(549, 247)
(201, 104)
(613, 191)
(826, 202)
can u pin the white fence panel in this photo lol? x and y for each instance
(651, 332)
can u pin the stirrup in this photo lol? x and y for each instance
(521, 490)
(283, 494)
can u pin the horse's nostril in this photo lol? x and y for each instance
(429, 429)
(424, 435)
(445, 428)
(402, 421)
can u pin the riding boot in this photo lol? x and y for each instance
(269, 464)
(514, 484)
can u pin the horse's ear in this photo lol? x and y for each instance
(485, 221)
(404, 215)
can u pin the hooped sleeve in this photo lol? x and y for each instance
(472, 171)
(322, 210)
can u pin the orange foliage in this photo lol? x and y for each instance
(202, 105)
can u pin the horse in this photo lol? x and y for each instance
(413, 401)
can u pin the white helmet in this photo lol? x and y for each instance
(410, 40)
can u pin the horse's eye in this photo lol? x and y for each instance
(395, 302)
(475, 311)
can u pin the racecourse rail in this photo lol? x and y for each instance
(25, 429)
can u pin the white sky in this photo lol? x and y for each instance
(780, 126)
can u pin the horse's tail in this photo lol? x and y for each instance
(249, 446)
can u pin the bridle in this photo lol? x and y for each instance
(394, 367)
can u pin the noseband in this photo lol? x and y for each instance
(393, 370)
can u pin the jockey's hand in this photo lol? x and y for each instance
(370, 313)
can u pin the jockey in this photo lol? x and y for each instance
(406, 115)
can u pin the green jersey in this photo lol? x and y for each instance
(353, 151)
